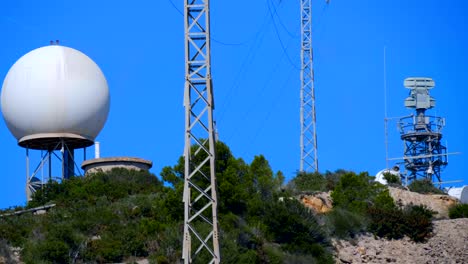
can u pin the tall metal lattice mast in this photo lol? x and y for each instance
(309, 160)
(200, 197)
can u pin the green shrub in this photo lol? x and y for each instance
(308, 182)
(345, 224)
(387, 222)
(418, 222)
(355, 192)
(332, 178)
(392, 179)
(384, 200)
(54, 250)
(459, 211)
(424, 186)
(296, 229)
(414, 221)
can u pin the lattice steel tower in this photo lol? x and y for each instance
(309, 160)
(424, 154)
(200, 197)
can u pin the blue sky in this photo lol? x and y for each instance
(139, 46)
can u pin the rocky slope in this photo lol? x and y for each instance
(435, 202)
(448, 245)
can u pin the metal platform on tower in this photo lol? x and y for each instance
(424, 154)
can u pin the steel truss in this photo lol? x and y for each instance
(62, 153)
(200, 198)
(425, 156)
(308, 140)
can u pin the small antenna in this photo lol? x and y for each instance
(385, 103)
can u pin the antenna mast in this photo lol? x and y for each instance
(308, 141)
(200, 198)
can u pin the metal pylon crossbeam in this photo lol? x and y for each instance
(308, 140)
(200, 197)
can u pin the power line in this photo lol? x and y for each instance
(258, 95)
(248, 60)
(212, 38)
(284, 26)
(270, 110)
(279, 38)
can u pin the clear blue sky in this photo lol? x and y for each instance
(139, 45)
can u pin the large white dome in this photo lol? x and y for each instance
(55, 92)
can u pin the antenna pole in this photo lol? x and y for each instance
(385, 103)
(200, 196)
(308, 138)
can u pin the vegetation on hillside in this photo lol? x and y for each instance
(123, 215)
(459, 211)
(362, 205)
(424, 186)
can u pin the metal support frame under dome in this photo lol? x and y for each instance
(308, 139)
(38, 179)
(200, 196)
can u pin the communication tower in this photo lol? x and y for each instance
(200, 196)
(308, 139)
(424, 154)
(54, 100)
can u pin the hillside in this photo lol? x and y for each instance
(124, 216)
(449, 244)
(127, 216)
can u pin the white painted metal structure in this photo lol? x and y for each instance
(55, 90)
(200, 196)
(308, 139)
(54, 99)
(461, 193)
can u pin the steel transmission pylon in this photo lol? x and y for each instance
(200, 197)
(308, 142)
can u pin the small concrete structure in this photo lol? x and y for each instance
(107, 164)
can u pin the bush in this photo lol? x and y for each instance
(418, 221)
(355, 192)
(392, 179)
(332, 178)
(308, 182)
(386, 222)
(413, 221)
(295, 227)
(424, 186)
(345, 224)
(459, 211)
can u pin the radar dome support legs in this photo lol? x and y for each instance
(35, 180)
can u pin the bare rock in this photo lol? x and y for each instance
(435, 202)
(319, 202)
(448, 245)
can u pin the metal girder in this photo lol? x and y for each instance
(308, 141)
(200, 197)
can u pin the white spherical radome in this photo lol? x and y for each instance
(55, 92)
